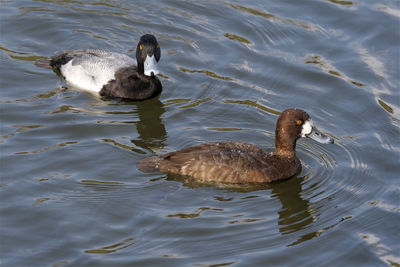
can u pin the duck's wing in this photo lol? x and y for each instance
(91, 69)
(225, 162)
(95, 61)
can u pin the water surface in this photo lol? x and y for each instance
(70, 191)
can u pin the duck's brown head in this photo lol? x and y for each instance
(291, 125)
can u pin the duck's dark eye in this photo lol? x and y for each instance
(299, 122)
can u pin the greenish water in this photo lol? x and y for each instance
(70, 191)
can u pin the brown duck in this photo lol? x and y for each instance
(237, 162)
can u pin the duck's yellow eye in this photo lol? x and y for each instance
(299, 122)
(158, 46)
(140, 47)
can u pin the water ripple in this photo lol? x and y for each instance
(114, 247)
(330, 69)
(208, 73)
(383, 251)
(275, 18)
(20, 129)
(63, 144)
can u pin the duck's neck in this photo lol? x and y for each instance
(140, 68)
(285, 146)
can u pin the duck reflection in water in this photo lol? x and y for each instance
(150, 128)
(296, 212)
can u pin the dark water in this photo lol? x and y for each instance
(71, 194)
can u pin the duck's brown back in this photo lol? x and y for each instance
(224, 162)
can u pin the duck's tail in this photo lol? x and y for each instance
(43, 63)
(150, 164)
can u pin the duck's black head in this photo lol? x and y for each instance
(148, 54)
(293, 124)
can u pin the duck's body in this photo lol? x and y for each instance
(225, 162)
(111, 74)
(237, 162)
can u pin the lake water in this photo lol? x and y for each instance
(70, 191)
